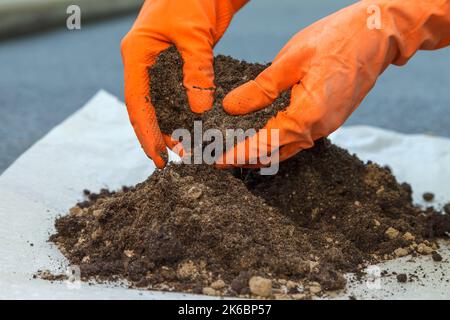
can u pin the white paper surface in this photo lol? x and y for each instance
(96, 148)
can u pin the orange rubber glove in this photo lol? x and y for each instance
(194, 27)
(332, 65)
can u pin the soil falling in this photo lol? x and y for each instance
(202, 230)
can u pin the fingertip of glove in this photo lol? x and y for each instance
(158, 154)
(161, 159)
(200, 99)
(245, 99)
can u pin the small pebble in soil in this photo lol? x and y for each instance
(76, 211)
(239, 285)
(217, 285)
(402, 278)
(424, 249)
(428, 196)
(391, 233)
(260, 286)
(409, 237)
(187, 270)
(436, 256)
(209, 291)
(400, 252)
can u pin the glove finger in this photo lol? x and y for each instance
(257, 94)
(289, 151)
(138, 54)
(255, 151)
(267, 145)
(313, 113)
(198, 72)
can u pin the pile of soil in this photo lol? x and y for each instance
(196, 229)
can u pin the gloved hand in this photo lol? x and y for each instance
(332, 65)
(194, 27)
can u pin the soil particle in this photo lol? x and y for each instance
(422, 248)
(402, 278)
(409, 237)
(209, 291)
(391, 233)
(240, 284)
(428, 196)
(187, 270)
(401, 252)
(188, 226)
(260, 286)
(76, 211)
(436, 256)
(217, 285)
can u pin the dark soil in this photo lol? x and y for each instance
(172, 107)
(402, 278)
(196, 229)
(324, 214)
(428, 196)
(436, 256)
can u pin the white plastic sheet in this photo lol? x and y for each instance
(96, 148)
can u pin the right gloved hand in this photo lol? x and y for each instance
(330, 68)
(194, 27)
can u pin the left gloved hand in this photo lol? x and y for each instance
(194, 27)
(332, 65)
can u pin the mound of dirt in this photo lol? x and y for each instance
(196, 229)
(188, 227)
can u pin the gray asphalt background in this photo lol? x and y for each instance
(46, 77)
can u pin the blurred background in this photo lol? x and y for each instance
(47, 72)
